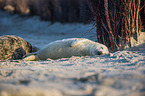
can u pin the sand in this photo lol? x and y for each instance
(121, 73)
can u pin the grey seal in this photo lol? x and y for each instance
(14, 47)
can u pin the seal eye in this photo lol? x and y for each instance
(100, 53)
(101, 47)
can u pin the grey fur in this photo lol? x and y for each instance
(13, 47)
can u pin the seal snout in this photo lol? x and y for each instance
(100, 53)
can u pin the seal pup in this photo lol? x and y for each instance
(66, 48)
(13, 47)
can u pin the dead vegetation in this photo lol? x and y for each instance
(53, 10)
(117, 21)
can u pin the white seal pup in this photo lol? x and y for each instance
(68, 47)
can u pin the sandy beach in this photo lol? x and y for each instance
(120, 73)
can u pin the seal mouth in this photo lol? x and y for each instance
(100, 53)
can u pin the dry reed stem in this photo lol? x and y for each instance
(116, 19)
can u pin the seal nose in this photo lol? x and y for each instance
(100, 53)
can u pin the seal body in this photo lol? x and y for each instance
(69, 47)
(13, 47)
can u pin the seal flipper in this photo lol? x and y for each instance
(77, 42)
(31, 57)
